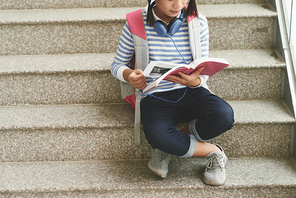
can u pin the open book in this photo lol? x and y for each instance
(161, 70)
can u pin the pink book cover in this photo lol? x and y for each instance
(210, 68)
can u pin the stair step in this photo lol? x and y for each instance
(48, 4)
(86, 78)
(63, 31)
(246, 177)
(97, 132)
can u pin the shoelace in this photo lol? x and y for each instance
(219, 159)
(166, 157)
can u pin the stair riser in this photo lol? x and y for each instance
(60, 38)
(258, 140)
(241, 33)
(70, 145)
(255, 140)
(247, 84)
(98, 37)
(49, 4)
(59, 88)
(102, 87)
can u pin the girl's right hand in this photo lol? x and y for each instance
(137, 79)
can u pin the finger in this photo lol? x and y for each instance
(179, 81)
(141, 86)
(173, 79)
(169, 78)
(138, 71)
(138, 84)
(184, 76)
(136, 77)
(199, 70)
(138, 80)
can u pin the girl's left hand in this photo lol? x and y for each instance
(191, 80)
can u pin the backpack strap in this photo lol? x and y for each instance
(194, 37)
(141, 58)
(136, 24)
(194, 34)
(137, 28)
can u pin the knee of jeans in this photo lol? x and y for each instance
(220, 117)
(153, 133)
(226, 117)
(221, 121)
(163, 138)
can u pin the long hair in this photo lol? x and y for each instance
(190, 11)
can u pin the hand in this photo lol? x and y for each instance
(137, 79)
(191, 80)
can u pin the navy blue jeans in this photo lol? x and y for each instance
(208, 115)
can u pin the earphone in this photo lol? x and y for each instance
(163, 29)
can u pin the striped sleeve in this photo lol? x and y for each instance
(124, 54)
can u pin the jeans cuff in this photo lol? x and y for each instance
(193, 131)
(191, 149)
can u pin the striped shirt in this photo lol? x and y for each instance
(160, 49)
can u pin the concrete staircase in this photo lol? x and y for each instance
(65, 132)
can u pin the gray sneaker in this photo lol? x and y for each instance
(215, 173)
(159, 162)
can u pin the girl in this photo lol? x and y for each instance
(177, 99)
